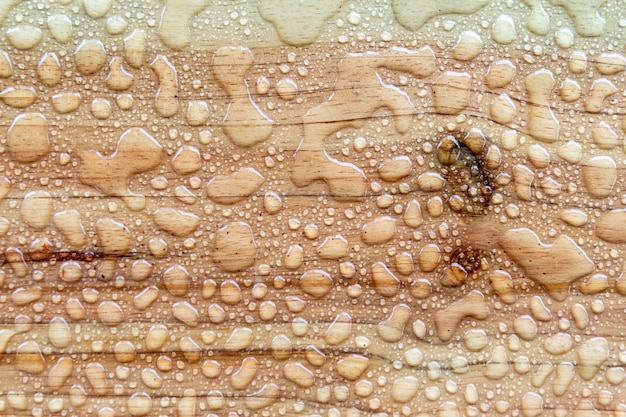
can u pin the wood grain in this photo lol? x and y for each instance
(337, 209)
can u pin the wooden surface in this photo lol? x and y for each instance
(329, 208)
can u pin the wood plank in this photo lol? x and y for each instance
(312, 208)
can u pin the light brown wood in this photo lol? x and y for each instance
(327, 208)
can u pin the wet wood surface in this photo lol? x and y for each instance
(336, 209)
